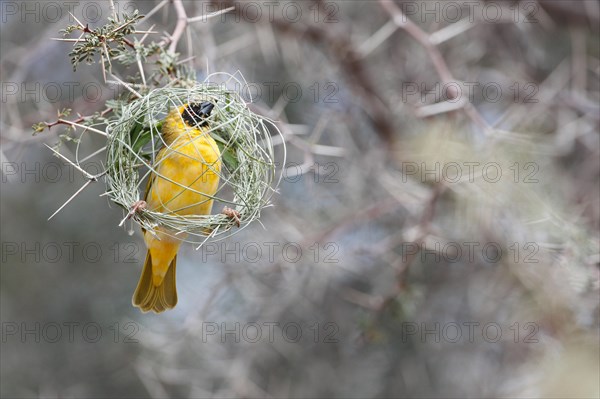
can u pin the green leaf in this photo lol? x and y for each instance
(142, 140)
(230, 159)
(38, 128)
(228, 156)
(141, 135)
(218, 139)
(135, 131)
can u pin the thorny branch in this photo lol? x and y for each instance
(85, 49)
(75, 122)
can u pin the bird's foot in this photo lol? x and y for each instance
(233, 214)
(136, 207)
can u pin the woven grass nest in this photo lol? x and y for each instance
(247, 176)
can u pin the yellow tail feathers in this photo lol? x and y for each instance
(155, 295)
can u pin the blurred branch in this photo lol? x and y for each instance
(440, 65)
(182, 21)
(403, 262)
(349, 58)
(574, 12)
(412, 29)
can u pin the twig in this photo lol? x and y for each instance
(87, 183)
(421, 36)
(377, 38)
(82, 126)
(155, 9)
(451, 31)
(127, 86)
(436, 57)
(406, 260)
(203, 18)
(182, 21)
(146, 33)
(439, 108)
(91, 179)
(112, 9)
(83, 27)
(77, 122)
(342, 49)
(76, 166)
(62, 39)
(141, 68)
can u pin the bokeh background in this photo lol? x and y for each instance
(427, 240)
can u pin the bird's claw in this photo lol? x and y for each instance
(136, 207)
(233, 214)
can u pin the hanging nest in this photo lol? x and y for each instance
(247, 174)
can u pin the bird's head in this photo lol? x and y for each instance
(196, 114)
(187, 119)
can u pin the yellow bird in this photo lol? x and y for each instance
(186, 175)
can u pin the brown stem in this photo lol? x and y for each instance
(82, 118)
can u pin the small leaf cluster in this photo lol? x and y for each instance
(110, 39)
(117, 41)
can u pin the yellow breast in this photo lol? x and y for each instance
(187, 170)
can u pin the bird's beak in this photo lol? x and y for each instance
(206, 108)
